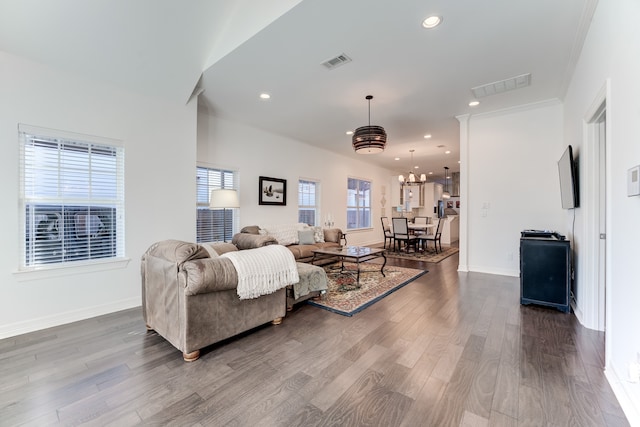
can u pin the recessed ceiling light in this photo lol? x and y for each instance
(432, 21)
(265, 96)
(349, 132)
(474, 103)
(397, 158)
(416, 167)
(430, 173)
(447, 152)
(427, 136)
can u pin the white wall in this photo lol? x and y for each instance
(159, 142)
(611, 52)
(253, 153)
(512, 183)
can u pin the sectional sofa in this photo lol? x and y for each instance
(300, 238)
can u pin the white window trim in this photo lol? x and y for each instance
(317, 199)
(70, 268)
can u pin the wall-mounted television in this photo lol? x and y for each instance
(568, 171)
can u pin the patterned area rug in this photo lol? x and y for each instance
(429, 256)
(343, 297)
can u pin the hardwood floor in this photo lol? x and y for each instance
(446, 350)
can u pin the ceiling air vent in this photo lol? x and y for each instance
(336, 61)
(517, 82)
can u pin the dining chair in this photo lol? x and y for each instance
(388, 234)
(420, 220)
(435, 237)
(401, 234)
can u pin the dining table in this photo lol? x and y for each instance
(421, 227)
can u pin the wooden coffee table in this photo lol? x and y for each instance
(356, 254)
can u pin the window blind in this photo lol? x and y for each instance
(214, 225)
(72, 197)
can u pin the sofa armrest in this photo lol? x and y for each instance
(333, 235)
(209, 275)
(176, 251)
(252, 241)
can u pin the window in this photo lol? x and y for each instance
(214, 225)
(72, 197)
(358, 204)
(307, 201)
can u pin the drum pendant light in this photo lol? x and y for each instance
(369, 139)
(445, 193)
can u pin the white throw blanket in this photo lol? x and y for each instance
(264, 270)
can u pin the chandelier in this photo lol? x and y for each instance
(369, 139)
(411, 178)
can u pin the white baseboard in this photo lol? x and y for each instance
(58, 319)
(577, 312)
(463, 268)
(491, 270)
(628, 395)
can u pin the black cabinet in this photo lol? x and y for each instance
(545, 270)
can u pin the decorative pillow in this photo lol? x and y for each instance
(285, 234)
(250, 229)
(318, 234)
(306, 237)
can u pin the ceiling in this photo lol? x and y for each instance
(233, 50)
(154, 47)
(420, 79)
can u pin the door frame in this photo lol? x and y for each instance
(593, 299)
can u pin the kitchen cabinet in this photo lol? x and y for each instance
(414, 194)
(401, 194)
(432, 193)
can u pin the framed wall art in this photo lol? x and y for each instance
(272, 191)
